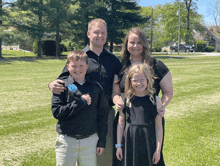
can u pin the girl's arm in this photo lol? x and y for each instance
(159, 133)
(159, 137)
(120, 131)
(116, 95)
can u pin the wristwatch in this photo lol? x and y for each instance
(117, 145)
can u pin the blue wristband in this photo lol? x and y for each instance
(117, 145)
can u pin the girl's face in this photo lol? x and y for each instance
(139, 83)
(134, 46)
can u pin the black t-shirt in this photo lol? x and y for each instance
(160, 70)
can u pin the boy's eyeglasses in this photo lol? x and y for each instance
(136, 81)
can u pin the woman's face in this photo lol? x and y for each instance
(134, 46)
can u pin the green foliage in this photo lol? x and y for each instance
(169, 21)
(200, 45)
(157, 46)
(35, 47)
(209, 49)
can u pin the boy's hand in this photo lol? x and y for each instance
(56, 87)
(156, 157)
(99, 150)
(87, 98)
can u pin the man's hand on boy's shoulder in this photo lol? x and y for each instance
(57, 86)
(99, 150)
(87, 98)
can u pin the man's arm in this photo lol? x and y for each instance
(56, 86)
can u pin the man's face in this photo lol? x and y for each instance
(78, 70)
(97, 35)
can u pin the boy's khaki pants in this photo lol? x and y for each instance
(69, 150)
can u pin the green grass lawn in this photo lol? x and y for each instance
(27, 127)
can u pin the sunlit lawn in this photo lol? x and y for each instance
(27, 128)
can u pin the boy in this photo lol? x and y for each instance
(82, 113)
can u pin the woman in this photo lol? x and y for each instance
(135, 50)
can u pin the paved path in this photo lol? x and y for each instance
(210, 54)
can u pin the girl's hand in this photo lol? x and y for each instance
(156, 157)
(161, 111)
(119, 153)
(119, 106)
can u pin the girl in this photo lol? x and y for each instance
(142, 138)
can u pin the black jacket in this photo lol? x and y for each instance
(75, 116)
(102, 69)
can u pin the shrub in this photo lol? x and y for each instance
(209, 49)
(157, 46)
(200, 45)
(35, 47)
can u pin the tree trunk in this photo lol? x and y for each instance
(39, 53)
(188, 5)
(111, 47)
(0, 26)
(57, 41)
(1, 57)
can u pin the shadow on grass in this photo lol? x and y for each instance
(8, 60)
(169, 57)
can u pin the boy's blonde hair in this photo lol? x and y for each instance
(129, 90)
(96, 21)
(77, 55)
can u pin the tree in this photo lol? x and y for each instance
(169, 22)
(57, 15)
(214, 10)
(29, 17)
(190, 5)
(3, 18)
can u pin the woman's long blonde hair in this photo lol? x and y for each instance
(129, 90)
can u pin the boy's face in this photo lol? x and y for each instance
(77, 70)
(97, 35)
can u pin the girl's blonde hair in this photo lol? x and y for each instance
(129, 90)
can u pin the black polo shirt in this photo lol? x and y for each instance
(102, 69)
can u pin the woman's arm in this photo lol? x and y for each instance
(167, 92)
(120, 131)
(116, 95)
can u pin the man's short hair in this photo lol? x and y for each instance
(77, 55)
(96, 21)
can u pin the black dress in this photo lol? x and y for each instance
(139, 141)
(160, 70)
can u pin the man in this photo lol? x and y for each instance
(103, 66)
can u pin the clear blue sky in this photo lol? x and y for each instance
(202, 7)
